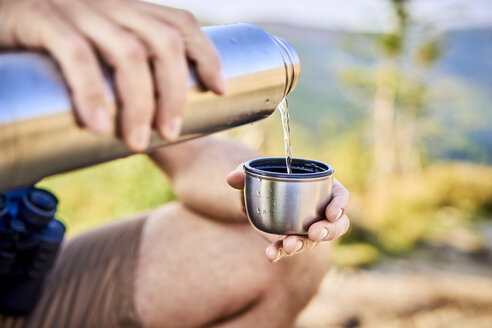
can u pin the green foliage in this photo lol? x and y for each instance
(465, 187)
(100, 194)
(407, 209)
(391, 44)
(356, 254)
(428, 52)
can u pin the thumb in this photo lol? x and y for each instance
(237, 177)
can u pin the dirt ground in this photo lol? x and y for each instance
(379, 299)
(443, 288)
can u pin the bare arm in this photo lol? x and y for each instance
(198, 171)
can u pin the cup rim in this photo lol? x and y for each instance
(254, 167)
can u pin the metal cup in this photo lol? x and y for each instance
(282, 203)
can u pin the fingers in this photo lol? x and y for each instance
(237, 178)
(199, 48)
(274, 251)
(336, 225)
(83, 75)
(323, 230)
(319, 231)
(167, 48)
(288, 246)
(128, 57)
(130, 36)
(326, 231)
(72, 52)
(339, 202)
(294, 244)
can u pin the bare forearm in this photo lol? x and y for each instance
(198, 171)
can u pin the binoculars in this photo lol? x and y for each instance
(30, 238)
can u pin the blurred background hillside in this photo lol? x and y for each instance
(396, 95)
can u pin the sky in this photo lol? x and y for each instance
(354, 15)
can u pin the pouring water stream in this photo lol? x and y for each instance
(284, 112)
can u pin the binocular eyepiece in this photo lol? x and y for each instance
(30, 238)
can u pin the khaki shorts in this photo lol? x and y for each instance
(91, 284)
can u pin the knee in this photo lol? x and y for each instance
(230, 264)
(294, 281)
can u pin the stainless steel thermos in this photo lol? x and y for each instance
(39, 136)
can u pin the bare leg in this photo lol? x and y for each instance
(197, 272)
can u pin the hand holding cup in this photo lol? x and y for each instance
(296, 211)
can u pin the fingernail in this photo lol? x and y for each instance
(340, 213)
(172, 128)
(279, 255)
(100, 120)
(269, 250)
(299, 245)
(140, 137)
(322, 235)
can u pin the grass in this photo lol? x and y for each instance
(93, 196)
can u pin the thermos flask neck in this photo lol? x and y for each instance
(292, 64)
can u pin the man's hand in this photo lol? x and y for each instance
(131, 37)
(335, 225)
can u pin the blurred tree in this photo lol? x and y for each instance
(399, 94)
(386, 88)
(413, 91)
